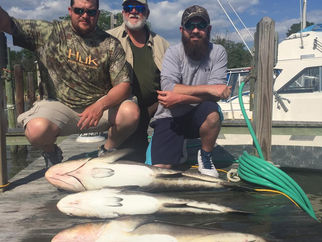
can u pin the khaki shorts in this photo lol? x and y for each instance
(64, 117)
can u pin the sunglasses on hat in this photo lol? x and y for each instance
(138, 8)
(81, 11)
(191, 26)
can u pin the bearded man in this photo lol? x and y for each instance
(193, 79)
(144, 51)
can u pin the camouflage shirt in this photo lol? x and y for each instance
(77, 70)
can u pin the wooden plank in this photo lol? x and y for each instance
(3, 158)
(31, 89)
(15, 132)
(264, 61)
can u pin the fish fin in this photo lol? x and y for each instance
(102, 172)
(173, 175)
(176, 205)
(132, 222)
(214, 207)
(129, 189)
(195, 206)
(197, 175)
(113, 201)
(116, 155)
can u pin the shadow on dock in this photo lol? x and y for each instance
(25, 180)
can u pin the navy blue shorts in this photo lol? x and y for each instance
(169, 133)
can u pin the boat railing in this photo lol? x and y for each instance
(317, 45)
(234, 78)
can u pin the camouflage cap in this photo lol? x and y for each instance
(194, 11)
(145, 2)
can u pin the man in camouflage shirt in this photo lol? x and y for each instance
(87, 79)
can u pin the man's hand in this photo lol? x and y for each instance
(90, 116)
(221, 91)
(168, 99)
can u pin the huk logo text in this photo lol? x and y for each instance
(77, 58)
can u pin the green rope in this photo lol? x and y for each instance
(257, 170)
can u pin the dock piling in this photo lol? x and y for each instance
(3, 158)
(19, 89)
(263, 103)
(8, 81)
(31, 89)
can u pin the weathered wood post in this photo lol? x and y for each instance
(20, 103)
(263, 103)
(31, 89)
(10, 94)
(112, 21)
(20, 99)
(39, 82)
(3, 158)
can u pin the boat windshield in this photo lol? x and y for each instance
(308, 80)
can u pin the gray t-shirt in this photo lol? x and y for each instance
(178, 68)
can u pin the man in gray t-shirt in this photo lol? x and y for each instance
(193, 79)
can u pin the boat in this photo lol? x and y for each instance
(297, 95)
(297, 82)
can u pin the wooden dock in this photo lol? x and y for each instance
(28, 208)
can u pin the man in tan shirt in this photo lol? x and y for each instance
(144, 51)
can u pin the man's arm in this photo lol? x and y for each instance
(212, 92)
(5, 22)
(216, 87)
(176, 93)
(93, 113)
(184, 94)
(169, 99)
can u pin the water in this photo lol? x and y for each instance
(19, 157)
(310, 181)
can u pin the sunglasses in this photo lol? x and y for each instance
(138, 8)
(81, 11)
(191, 26)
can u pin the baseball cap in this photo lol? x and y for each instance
(145, 2)
(194, 11)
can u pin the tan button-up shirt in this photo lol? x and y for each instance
(155, 41)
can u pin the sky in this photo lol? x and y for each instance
(165, 16)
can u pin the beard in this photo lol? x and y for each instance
(196, 50)
(81, 29)
(137, 26)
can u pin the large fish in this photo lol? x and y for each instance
(96, 173)
(146, 230)
(112, 203)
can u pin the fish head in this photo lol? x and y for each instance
(113, 230)
(108, 203)
(84, 232)
(83, 174)
(66, 175)
(96, 203)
